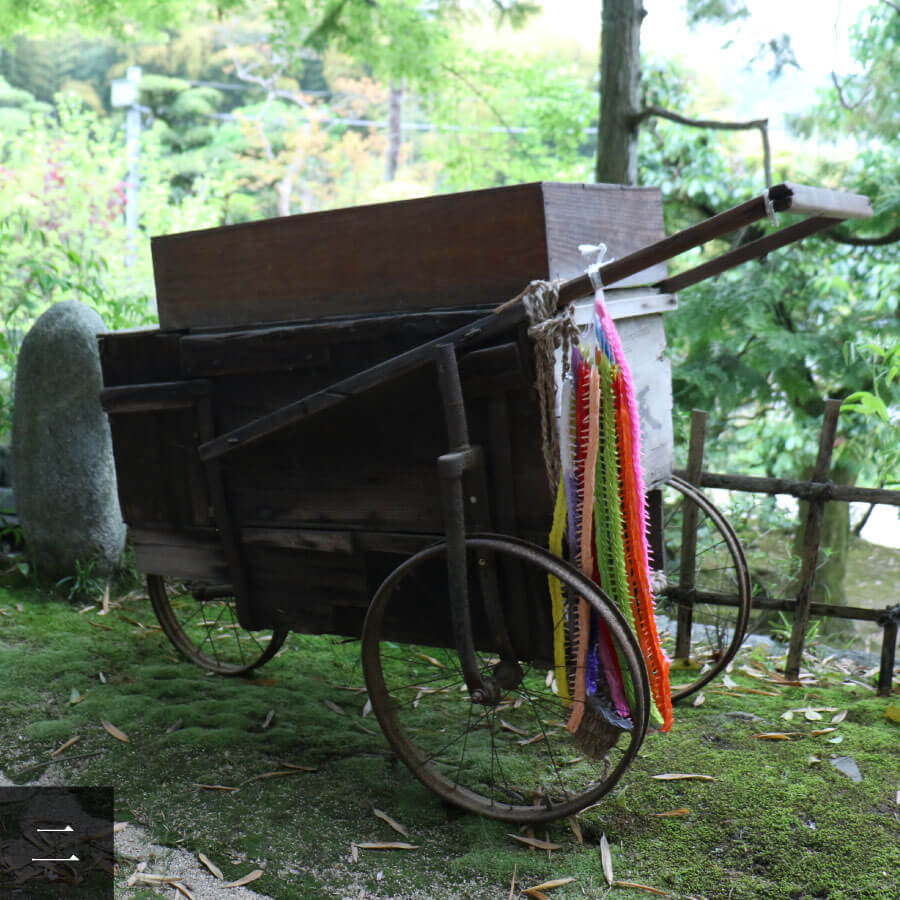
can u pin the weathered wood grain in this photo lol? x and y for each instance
(472, 248)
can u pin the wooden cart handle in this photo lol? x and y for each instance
(829, 207)
(826, 207)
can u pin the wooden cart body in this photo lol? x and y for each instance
(325, 510)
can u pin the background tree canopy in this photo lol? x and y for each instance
(253, 109)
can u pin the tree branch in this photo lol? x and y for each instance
(892, 4)
(842, 238)
(762, 125)
(843, 100)
(490, 105)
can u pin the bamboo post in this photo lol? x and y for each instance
(811, 538)
(688, 575)
(888, 620)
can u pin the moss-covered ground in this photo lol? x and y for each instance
(778, 820)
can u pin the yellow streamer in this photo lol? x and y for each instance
(556, 597)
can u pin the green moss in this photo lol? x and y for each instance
(769, 825)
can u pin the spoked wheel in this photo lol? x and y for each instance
(703, 607)
(513, 758)
(203, 624)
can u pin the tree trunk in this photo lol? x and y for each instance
(394, 132)
(620, 83)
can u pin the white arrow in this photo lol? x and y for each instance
(67, 828)
(72, 858)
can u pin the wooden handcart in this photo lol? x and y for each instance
(332, 437)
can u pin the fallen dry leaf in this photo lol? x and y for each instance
(268, 720)
(813, 760)
(534, 842)
(538, 895)
(812, 716)
(431, 659)
(66, 745)
(576, 829)
(532, 740)
(392, 822)
(839, 717)
(256, 873)
(778, 735)
(151, 878)
(175, 726)
(550, 885)
(117, 733)
(606, 859)
(367, 708)
(288, 765)
(680, 777)
(699, 700)
(354, 853)
(681, 811)
(787, 716)
(641, 887)
(274, 774)
(213, 787)
(104, 603)
(334, 707)
(211, 866)
(817, 731)
(387, 845)
(512, 884)
(183, 890)
(519, 731)
(728, 681)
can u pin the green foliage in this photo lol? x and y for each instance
(62, 234)
(82, 585)
(771, 824)
(718, 12)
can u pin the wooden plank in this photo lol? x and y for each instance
(292, 413)
(816, 201)
(189, 553)
(139, 357)
(476, 247)
(618, 216)
(152, 397)
(154, 454)
(318, 345)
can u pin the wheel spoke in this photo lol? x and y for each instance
(498, 759)
(207, 631)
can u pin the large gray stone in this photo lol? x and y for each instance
(63, 470)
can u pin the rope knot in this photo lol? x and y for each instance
(549, 329)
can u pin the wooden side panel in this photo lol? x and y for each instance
(624, 218)
(478, 247)
(193, 554)
(139, 357)
(158, 472)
